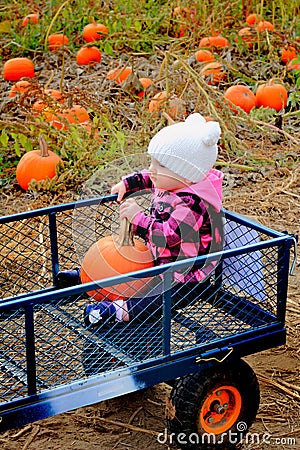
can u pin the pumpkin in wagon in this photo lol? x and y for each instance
(111, 256)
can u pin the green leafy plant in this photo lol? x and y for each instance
(144, 36)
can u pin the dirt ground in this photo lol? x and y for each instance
(134, 421)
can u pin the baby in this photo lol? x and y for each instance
(184, 220)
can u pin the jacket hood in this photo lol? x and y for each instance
(209, 189)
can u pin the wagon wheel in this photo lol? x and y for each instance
(214, 408)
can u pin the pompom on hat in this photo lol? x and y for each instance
(187, 148)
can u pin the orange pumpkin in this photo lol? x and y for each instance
(175, 107)
(156, 103)
(271, 95)
(37, 165)
(20, 87)
(184, 12)
(93, 133)
(288, 54)
(94, 31)
(252, 19)
(246, 35)
(16, 68)
(88, 56)
(57, 40)
(76, 114)
(112, 257)
(213, 73)
(203, 55)
(119, 74)
(38, 106)
(181, 31)
(145, 82)
(61, 119)
(187, 15)
(30, 19)
(264, 25)
(242, 96)
(219, 42)
(55, 96)
(294, 65)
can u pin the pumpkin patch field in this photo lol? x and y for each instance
(85, 84)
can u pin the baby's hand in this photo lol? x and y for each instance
(129, 209)
(119, 189)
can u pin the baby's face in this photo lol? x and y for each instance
(165, 179)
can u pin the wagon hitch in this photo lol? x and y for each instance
(295, 241)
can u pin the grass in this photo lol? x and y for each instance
(143, 34)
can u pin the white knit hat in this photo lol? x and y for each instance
(187, 148)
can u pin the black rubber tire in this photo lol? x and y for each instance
(189, 395)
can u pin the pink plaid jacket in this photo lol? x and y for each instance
(181, 224)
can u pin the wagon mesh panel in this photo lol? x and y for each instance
(79, 229)
(25, 250)
(13, 357)
(241, 297)
(25, 258)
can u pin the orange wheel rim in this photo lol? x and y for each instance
(220, 410)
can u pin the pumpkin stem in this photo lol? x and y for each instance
(125, 234)
(43, 147)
